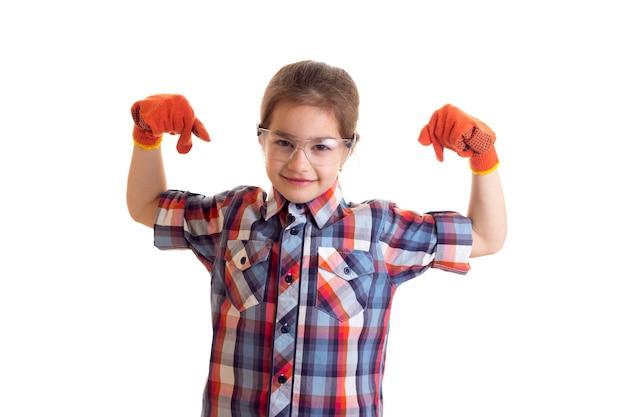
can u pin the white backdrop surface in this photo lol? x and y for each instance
(95, 321)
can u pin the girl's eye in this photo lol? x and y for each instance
(282, 143)
(320, 147)
(325, 145)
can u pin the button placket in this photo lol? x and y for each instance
(286, 310)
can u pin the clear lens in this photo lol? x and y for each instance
(326, 151)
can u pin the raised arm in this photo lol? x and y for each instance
(146, 182)
(154, 116)
(451, 128)
(488, 213)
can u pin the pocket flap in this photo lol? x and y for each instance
(242, 254)
(344, 263)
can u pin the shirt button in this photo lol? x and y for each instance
(346, 270)
(284, 329)
(290, 218)
(282, 379)
(289, 279)
(243, 260)
(294, 231)
(299, 206)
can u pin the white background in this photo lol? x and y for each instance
(95, 321)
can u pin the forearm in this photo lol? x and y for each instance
(487, 211)
(146, 182)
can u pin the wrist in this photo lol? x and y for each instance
(484, 163)
(145, 140)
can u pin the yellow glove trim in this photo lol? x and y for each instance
(154, 145)
(490, 170)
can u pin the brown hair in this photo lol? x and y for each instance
(315, 84)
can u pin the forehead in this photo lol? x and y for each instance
(304, 121)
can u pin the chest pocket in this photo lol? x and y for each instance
(344, 279)
(246, 272)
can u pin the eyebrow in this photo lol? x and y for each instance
(289, 136)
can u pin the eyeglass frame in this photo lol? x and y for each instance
(349, 142)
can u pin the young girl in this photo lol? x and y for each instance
(302, 281)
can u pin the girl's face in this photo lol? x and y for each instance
(297, 179)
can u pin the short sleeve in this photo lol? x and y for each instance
(169, 224)
(186, 220)
(454, 242)
(412, 242)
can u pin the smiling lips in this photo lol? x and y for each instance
(298, 181)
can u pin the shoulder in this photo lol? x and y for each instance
(374, 204)
(246, 194)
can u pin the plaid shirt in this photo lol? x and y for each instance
(304, 333)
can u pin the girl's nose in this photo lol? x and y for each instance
(299, 161)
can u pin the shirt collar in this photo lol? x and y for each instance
(273, 203)
(321, 208)
(324, 206)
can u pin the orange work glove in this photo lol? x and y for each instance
(451, 128)
(165, 113)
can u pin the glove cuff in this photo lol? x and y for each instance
(145, 140)
(484, 163)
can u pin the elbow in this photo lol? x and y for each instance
(494, 248)
(133, 210)
(142, 214)
(487, 246)
(134, 215)
(496, 244)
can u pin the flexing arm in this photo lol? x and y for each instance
(146, 182)
(451, 128)
(488, 214)
(154, 116)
